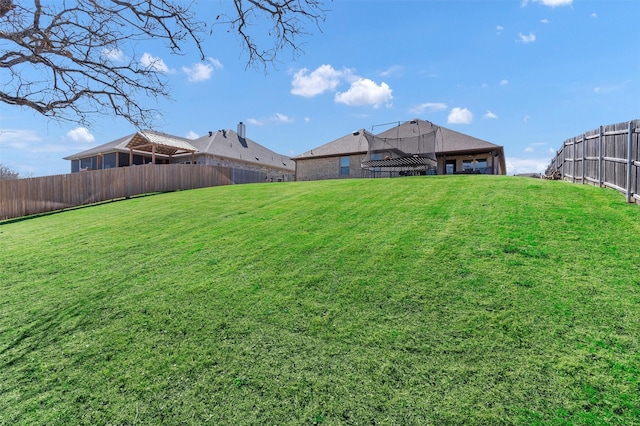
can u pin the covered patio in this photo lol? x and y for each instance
(159, 144)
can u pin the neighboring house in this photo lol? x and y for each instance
(218, 148)
(413, 147)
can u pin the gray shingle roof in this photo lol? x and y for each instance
(348, 144)
(121, 145)
(223, 143)
(447, 140)
(116, 145)
(227, 144)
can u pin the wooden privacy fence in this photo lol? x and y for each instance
(23, 197)
(608, 156)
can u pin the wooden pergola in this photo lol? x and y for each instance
(159, 144)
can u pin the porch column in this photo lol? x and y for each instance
(493, 162)
(130, 156)
(153, 154)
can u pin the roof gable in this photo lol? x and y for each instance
(447, 140)
(223, 143)
(115, 145)
(161, 143)
(351, 143)
(228, 144)
(140, 141)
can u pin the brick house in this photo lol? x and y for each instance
(224, 148)
(397, 153)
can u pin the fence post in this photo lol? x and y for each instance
(629, 161)
(600, 157)
(564, 148)
(584, 142)
(573, 157)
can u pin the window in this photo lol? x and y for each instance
(475, 165)
(344, 166)
(109, 161)
(377, 156)
(88, 163)
(450, 167)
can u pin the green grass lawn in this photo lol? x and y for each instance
(433, 300)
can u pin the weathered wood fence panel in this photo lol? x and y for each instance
(608, 156)
(23, 197)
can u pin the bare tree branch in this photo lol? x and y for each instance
(72, 59)
(287, 20)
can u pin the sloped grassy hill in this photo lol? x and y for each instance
(439, 300)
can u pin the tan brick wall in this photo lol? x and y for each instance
(460, 158)
(273, 174)
(327, 168)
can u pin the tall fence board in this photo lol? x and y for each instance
(23, 197)
(608, 156)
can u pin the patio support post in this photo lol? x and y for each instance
(493, 162)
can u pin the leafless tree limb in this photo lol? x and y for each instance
(286, 21)
(71, 59)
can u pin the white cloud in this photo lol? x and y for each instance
(544, 21)
(391, 71)
(594, 15)
(275, 118)
(201, 71)
(153, 63)
(527, 38)
(29, 141)
(428, 107)
(365, 92)
(499, 29)
(216, 63)
(281, 118)
(307, 119)
(18, 139)
(81, 134)
(460, 116)
(255, 122)
(552, 151)
(551, 3)
(554, 3)
(504, 82)
(192, 135)
(115, 55)
(528, 149)
(490, 115)
(324, 78)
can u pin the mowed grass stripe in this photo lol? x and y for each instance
(439, 300)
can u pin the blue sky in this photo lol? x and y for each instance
(523, 74)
